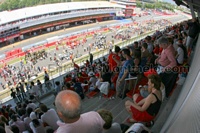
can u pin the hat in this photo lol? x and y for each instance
(90, 74)
(150, 72)
(97, 74)
(33, 116)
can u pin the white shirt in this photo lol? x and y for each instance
(31, 105)
(180, 57)
(50, 117)
(39, 129)
(90, 122)
(150, 47)
(93, 81)
(115, 128)
(27, 121)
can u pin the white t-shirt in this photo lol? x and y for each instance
(34, 90)
(27, 121)
(115, 128)
(138, 128)
(39, 129)
(90, 122)
(150, 47)
(31, 105)
(180, 57)
(50, 117)
(93, 81)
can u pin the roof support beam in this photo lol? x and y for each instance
(192, 10)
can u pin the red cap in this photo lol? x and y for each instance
(149, 72)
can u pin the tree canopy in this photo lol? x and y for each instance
(16, 4)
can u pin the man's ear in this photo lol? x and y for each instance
(60, 115)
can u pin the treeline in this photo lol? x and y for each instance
(156, 5)
(17, 4)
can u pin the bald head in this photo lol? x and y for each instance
(68, 104)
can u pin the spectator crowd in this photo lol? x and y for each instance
(154, 58)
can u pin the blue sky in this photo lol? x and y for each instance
(170, 1)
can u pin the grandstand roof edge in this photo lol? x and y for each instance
(50, 8)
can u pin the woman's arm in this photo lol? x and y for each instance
(140, 103)
(146, 104)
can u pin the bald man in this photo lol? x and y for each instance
(68, 105)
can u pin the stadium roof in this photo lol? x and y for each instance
(50, 8)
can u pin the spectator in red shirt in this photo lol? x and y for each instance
(76, 66)
(112, 63)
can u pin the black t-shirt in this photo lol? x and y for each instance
(193, 29)
(78, 88)
(13, 94)
(107, 77)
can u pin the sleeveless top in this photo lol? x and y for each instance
(154, 107)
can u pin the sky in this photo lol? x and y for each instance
(170, 1)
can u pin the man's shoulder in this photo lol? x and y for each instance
(91, 113)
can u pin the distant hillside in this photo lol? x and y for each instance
(16, 4)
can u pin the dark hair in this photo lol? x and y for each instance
(156, 80)
(74, 80)
(145, 45)
(43, 107)
(57, 83)
(117, 49)
(135, 43)
(68, 85)
(49, 130)
(14, 117)
(107, 117)
(126, 51)
(29, 110)
(32, 83)
(36, 123)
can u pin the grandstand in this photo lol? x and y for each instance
(24, 22)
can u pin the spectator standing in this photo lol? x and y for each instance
(192, 33)
(34, 91)
(58, 87)
(46, 80)
(123, 74)
(166, 62)
(39, 84)
(21, 87)
(91, 58)
(78, 88)
(18, 94)
(13, 95)
(112, 63)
